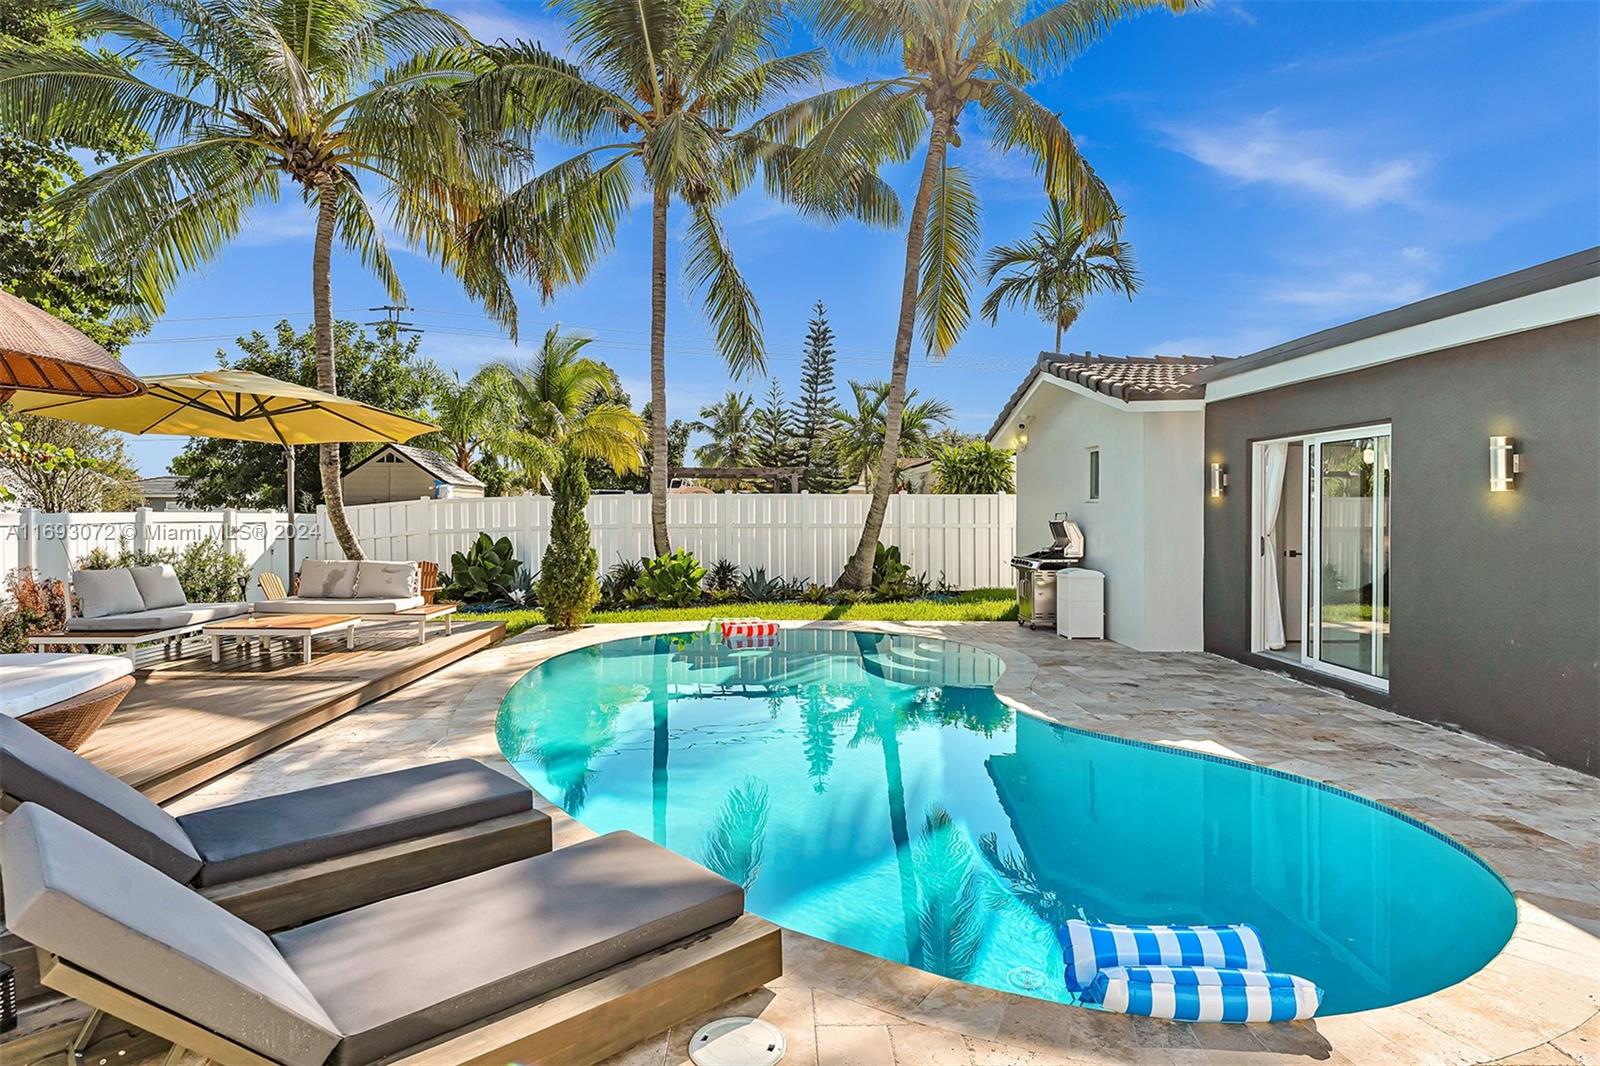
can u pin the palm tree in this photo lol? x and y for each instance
(859, 438)
(984, 53)
(472, 416)
(243, 94)
(976, 467)
(1059, 267)
(731, 425)
(664, 87)
(561, 402)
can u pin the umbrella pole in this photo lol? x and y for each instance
(288, 450)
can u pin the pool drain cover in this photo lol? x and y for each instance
(737, 1042)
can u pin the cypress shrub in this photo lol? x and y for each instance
(569, 586)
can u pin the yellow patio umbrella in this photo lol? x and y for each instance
(236, 405)
(38, 351)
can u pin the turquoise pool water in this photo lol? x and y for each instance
(873, 791)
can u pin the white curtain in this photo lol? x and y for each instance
(1274, 461)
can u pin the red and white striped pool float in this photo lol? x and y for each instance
(742, 633)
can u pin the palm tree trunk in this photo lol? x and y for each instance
(327, 375)
(658, 370)
(858, 571)
(1058, 337)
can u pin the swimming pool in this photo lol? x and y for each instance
(872, 790)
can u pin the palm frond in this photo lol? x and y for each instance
(728, 301)
(1062, 32)
(1022, 122)
(46, 94)
(949, 260)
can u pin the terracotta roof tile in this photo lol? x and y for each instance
(1126, 378)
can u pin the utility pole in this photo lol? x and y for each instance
(391, 317)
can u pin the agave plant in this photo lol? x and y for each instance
(757, 587)
(723, 576)
(619, 580)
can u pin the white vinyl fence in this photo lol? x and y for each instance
(968, 540)
(52, 544)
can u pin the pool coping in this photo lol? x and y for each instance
(1542, 985)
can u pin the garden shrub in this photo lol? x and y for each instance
(487, 572)
(208, 572)
(33, 605)
(568, 587)
(622, 577)
(668, 580)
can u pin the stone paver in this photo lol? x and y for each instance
(1538, 824)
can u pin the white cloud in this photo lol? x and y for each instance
(288, 220)
(1374, 282)
(1262, 150)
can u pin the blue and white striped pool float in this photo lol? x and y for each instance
(1204, 994)
(1184, 972)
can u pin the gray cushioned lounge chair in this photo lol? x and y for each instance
(565, 957)
(284, 859)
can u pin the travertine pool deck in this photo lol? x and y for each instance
(1538, 824)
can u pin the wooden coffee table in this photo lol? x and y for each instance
(291, 626)
(429, 612)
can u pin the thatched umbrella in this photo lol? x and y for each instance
(41, 353)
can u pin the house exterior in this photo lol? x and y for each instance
(163, 493)
(1114, 443)
(401, 472)
(1406, 507)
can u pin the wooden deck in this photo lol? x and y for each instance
(189, 721)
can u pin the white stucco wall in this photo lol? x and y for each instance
(1145, 532)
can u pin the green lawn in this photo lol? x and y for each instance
(980, 605)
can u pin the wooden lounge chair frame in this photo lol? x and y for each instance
(72, 721)
(580, 1024)
(302, 894)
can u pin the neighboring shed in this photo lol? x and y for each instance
(164, 493)
(401, 472)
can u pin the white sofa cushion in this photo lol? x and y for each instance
(327, 579)
(30, 682)
(106, 592)
(332, 605)
(190, 614)
(158, 586)
(379, 580)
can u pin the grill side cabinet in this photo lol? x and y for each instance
(1081, 604)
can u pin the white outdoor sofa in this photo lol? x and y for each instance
(66, 697)
(134, 606)
(338, 586)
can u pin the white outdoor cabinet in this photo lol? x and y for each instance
(1080, 603)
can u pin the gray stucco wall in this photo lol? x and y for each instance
(1495, 596)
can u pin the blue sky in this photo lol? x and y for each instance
(1283, 167)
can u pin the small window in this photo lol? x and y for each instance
(1094, 473)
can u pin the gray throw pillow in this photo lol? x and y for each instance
(106, 592)
(327, 579)
(158, 586)
(387, 581)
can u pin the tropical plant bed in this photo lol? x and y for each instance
(979, 605)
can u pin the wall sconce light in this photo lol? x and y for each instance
(1505, 463)
(1022, 436)
(1219, 480)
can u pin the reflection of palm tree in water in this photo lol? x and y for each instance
(1026, 888)
(565, 736)
(817, 717)
(661, 740)
(736, 843)
(950, 922)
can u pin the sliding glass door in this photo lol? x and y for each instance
(1347, 585)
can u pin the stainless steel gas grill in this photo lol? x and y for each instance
(1036, 572)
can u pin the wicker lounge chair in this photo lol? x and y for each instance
(281, 860)
(64, 696)
(562, 958)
